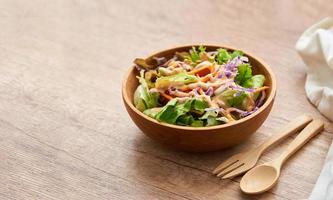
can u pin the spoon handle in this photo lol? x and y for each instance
(292, 127)
(315, 127)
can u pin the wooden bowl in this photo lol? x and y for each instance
(200, 139)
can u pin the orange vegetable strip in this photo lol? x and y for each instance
(203, 72)
(208, 76)
(205, 78)
(261, 88)
(195, 71)
(185, 88)
(168, 97)
(201, 91)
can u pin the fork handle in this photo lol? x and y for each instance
(315, 127)
(292, 127)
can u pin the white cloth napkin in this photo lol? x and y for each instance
(315, 46)
(323, 189)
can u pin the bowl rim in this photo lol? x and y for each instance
(261, 108)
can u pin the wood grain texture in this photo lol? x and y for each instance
(64, 130)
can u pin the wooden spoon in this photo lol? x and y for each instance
(265, 176)
(244, 161)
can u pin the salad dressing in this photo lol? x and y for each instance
(199, 88)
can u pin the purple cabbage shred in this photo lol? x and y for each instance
(209, 91)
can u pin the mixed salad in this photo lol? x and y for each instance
(199, 88)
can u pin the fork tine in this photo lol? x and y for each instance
(224, 165)
(230, 169)
(236, 172)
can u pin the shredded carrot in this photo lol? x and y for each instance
(202, 71)
(206, 78)
(201, 91)
(168, 97)
(185, 88)
(261, 88)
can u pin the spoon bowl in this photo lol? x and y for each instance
(260, 179)
(264, 177)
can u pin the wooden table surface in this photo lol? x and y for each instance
(64, 132)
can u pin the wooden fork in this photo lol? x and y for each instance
(244, 161)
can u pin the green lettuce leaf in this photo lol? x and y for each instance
(211, 118)
(185, 107)
(168, 113)
(244, 73)
(212, 121)
(139, 101)
(236, 53)
(222, 56)
(197, 123)
(152, 112)
(223, 120)
(180, 113)
(195, 54)
(210, 113)
(233, 98)
(143, 98)
(255, 81)
(173, 110)
(237, 100)
(202, 49)
(199, 105)
(185, 120)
